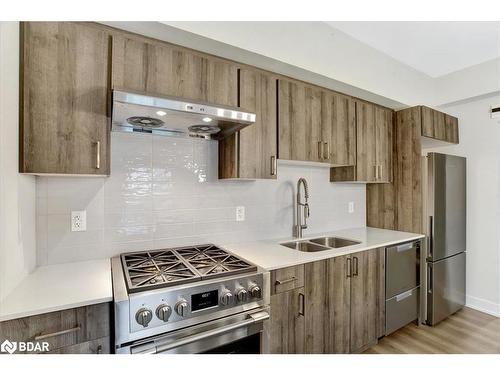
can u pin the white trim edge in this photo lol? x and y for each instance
(483, 305)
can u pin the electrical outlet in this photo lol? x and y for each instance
(240, 213)
(78, 221)
(351, 207)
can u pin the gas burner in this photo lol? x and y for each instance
(145, 270)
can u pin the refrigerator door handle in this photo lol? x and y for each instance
(429, 279)
(431, 236)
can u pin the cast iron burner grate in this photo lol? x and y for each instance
(145, 270)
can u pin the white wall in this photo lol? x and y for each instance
(480, 144)
(17, 192)
(164, 191)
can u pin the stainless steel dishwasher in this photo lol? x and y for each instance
(402, 277)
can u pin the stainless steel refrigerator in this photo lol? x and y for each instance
(445, 225)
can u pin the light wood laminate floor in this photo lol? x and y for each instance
(466, 332)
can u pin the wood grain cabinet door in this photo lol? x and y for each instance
(252, 152)
(383, 133)
(343, 131)
(366, 163)
(317, 324)
(433, 123)
(364, 300)
(287, 322)
(299, 121)
(64, 127)
(339, 304)
(451, 128)
(140, 64)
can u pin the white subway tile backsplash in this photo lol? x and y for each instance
(164, 192)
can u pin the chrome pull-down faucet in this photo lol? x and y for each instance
(299, 226)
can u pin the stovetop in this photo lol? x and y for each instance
(146, 270)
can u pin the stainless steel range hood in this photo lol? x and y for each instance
(143, 113)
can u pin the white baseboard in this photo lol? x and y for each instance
(483, 305)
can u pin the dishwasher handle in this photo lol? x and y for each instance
(252, 319)
(406, 246)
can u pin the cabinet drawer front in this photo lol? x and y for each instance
(401, 268)
(61, 328)
(401, 310)
(286, 279)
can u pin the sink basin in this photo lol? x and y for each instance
(305, 246)
(334, 242)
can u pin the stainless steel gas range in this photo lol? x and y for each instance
(196, 299)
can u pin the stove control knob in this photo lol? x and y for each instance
(181, 307)
(144, 316)
(242, 295)
(226, 298)
(163, 312)
(255, 291)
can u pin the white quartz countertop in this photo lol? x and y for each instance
(59, 287)
(270, 255)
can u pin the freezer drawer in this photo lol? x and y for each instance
(401, 268)
(401, 310)
(445, 287)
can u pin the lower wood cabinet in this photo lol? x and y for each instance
(340, 308)
(84, 329)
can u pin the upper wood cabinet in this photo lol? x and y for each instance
(439, 125)
(64, 123)
(374, 142)
(315, 124)
(145, 65)
(252, 152)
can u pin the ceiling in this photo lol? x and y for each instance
(434, 48)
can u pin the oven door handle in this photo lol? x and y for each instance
(252, 319)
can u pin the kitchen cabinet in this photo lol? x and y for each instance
(439, 125)
(335, 305)
(145, 65)
(251, 153)
(84, 329)
(287, 321)
(374, 142)
(345, 302)
(315, 124)
(64, 93)
(299, 117)
(286, 334)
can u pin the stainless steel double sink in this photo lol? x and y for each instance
(320, 244)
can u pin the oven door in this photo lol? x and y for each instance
(240, 333)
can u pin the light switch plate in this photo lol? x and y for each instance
(351, 207)
(240, 213)
(78, 221)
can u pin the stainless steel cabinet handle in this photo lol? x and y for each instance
(286, 281)
(381, 171)
(326, 151)
(302, 304)
(273, 165)
(98, 155)
(349, 268)
(376, 172)
(431, 235)
(319, 149)
(356, 266)
(252, 319)
(58, 333)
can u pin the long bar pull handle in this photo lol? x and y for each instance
(376, 172)
(381, 171)
(319, 150)
(302, 304)
(431, 236)
(429, 279)
(349, 268)
(273, 165)
(58, 333)
(98, 155)
(356, 266)
(286, 281)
